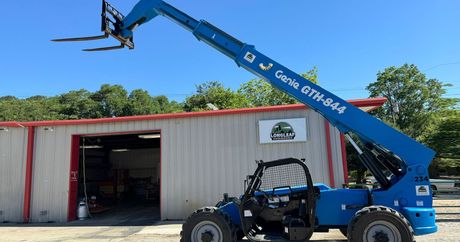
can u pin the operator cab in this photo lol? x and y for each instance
(277, 203)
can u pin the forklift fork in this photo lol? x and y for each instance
(111, 24)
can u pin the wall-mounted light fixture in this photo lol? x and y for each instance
(50, 129)
(149, 136)
(91, 147)
(5, 129)
(120, 150)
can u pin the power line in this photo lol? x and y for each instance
(439, 65)
(363, 89)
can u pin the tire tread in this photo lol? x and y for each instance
(215, 212)
(373, 208)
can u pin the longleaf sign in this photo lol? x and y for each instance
(282, 130)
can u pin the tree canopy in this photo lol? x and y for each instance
(414, 100)
(108, 101)
(259, 92)
(445, 140)
(116, 101)
(214, 93)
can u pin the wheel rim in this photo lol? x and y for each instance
(206, 231)
(381, 231)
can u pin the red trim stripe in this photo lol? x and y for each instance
(329, 153)
(29, 170)
(344, 158)
(371, 102)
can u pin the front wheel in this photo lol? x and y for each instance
(379, 224)
(208, 225)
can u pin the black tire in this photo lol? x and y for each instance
(239, 234)
(379, 223)
(207, 223)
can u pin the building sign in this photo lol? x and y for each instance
(282, 130)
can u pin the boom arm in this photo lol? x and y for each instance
(384, 149)
(340, 113)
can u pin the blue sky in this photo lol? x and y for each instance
(349, 42)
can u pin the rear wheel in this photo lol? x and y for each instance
(208, 225)
(379, 224)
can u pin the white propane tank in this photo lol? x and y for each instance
(82, 211)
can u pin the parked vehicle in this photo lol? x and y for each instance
(444, 185)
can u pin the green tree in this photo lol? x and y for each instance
(355, 166)
(35, 108)
(112, 100)
(259, 92)
(216, 94)
(39, 108)
(414, 100)
(166, 106)
(11, 109)
(8, 98)
(109, 101)
(141, 103)
(445, 140)
(78, 105)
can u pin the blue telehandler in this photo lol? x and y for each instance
(280, 201)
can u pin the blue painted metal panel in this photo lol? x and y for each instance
(336, 207)
(232, 210)
(421, 219)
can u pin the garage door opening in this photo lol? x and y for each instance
(119, 177)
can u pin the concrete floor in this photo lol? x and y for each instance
(140, 215)
(448, 220)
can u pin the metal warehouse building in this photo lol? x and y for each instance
(173, 162)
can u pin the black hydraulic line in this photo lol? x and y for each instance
(390, 161)
(370, 160)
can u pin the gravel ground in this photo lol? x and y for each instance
(447, 209)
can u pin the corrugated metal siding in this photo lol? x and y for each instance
(337, 157)
(13, 145)
(50, 174)
(202, 157)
